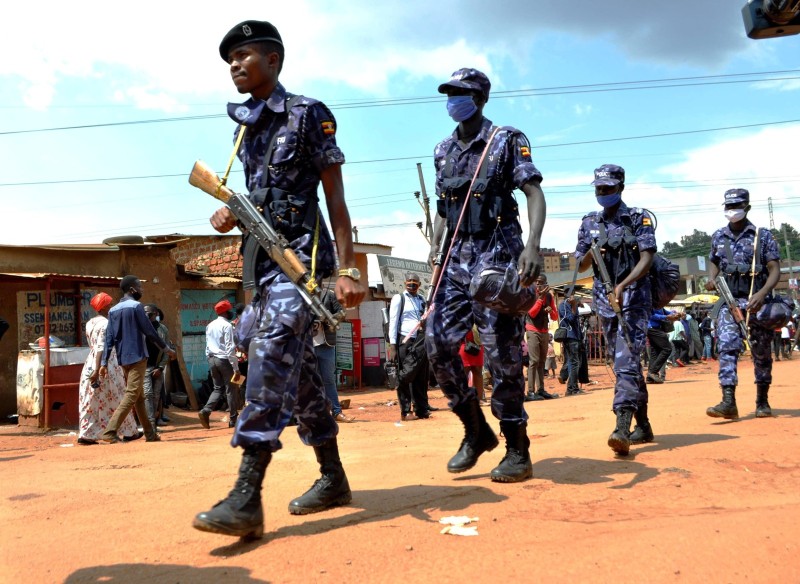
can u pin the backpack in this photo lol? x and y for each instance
(665, 276)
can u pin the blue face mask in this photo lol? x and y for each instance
(607, 201)
(461, 107)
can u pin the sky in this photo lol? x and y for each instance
(103, 113)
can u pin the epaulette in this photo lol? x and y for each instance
(592, 214)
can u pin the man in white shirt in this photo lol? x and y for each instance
(222, 362)
(405, 312)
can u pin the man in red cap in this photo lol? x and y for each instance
(222, 362)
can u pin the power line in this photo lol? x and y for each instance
(535, 147)
(636, 85)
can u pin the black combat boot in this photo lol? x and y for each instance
(620, 439)
(516, 464)
(727, 407)
(642, 432)
(241, 513)
(331, 489)
(762, 405)
(478, 436)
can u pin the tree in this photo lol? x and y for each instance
(794, 240)
(698, 243)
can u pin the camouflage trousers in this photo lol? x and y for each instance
(282, 373)
(630, 390)
(730, 344)
(454, 313)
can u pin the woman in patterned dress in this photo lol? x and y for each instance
(99, 397)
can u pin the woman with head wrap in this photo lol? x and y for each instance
(99, 397)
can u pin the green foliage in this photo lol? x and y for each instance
(699, 244)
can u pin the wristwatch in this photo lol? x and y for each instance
(352, 273)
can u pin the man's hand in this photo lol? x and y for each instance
(391, 352)
(710, 287)
(618, 293)
(223, 220)
(349, 293)
(156, 372)
(756, 301)
(171, 352)
(530, 265)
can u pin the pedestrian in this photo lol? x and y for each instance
(733, 248)
(626, 236)
(660, 348)
(154, 373)
(128, 329)
(405, 315)
(288, 148)
(98, 397)
(488, 234)
(537, 334)
(325, 350)
(568, 318)
(678, 339)
(222, 363)
(706, 326)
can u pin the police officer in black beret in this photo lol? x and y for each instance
(288, 147)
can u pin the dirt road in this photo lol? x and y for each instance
(708, 501)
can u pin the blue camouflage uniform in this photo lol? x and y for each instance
(489, 235)
(729, 337)
(276, 328)
(630, 390)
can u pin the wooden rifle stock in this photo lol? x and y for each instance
(207, 181)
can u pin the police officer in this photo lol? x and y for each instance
(288, 148)
(490, 231)
(732, 250)
(626, 236)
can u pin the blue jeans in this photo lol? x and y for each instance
(326, 367)
(707, 347)
(572, 350)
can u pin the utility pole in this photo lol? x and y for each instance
(355, 234)
(771, 218)
(789, 259)
(426, 204)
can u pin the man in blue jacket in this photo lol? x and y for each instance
(568, 318)
(128, 327)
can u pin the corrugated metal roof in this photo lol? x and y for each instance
(42, 275)
(222, 280)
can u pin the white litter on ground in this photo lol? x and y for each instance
(457, 525)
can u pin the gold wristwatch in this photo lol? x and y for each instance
(352, 273)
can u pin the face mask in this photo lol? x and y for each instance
(607, 201)
(461, 107)
(734, 215)
(136, 295)
(158, 319)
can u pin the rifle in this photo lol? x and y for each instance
(736, 312)
(609, 288)
(263, 234)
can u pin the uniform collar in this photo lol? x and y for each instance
(623, 211)
(483, 134)
(249, 112)
(749, 226)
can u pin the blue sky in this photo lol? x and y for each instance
(581, 64)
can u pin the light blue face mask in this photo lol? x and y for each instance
(461, 107)
(607, 201)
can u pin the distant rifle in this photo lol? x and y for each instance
(262, 234)
(610, 294)
(733, 306)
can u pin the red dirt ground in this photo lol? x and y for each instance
(708, 501)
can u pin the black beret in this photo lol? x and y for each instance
(249, 31)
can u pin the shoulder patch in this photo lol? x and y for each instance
(328, 128)
(525, 151)
(646, 221)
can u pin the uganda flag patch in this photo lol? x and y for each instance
(646, 222)
(525, 151)
(328, 128)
